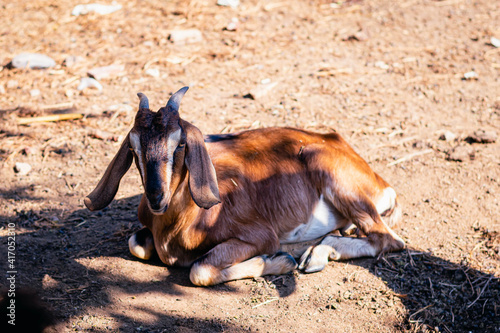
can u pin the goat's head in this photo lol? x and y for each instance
(165, 148)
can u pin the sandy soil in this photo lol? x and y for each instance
(387, 75)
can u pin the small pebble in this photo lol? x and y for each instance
(22, 168)
(33, 61)
(30, 150)
(95, 8)
(88, 82)
(228, 3)
(495, 42)
(12, 84)
(461, 154)
(188, 36)
(154, 72)
(382, 65)
(471, 76)
(357, 36)
(2, 89)
(482, 136)
(120, 108)
(35, 92)
(261, 91)
(99, 73)
(448, 136)
(71, 61)
(233, 25)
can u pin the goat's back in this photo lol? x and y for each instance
(275, 176)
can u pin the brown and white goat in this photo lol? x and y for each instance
(227, 205)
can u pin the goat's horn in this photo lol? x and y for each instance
(144, 103)
(175, 100)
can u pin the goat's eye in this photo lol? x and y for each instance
(182, 145)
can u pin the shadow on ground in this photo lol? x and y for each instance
(435, 292)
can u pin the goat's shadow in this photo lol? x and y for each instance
(48, 251)
(434, 291)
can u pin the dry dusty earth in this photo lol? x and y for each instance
(387, 75)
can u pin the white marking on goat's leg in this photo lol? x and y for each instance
(388, 200)
(335, 248)
(315, 258)
(205, 275)
(349, 247)
(394, 216)
(322, 221)
(141, 244)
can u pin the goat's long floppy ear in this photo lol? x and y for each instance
(202, 178)
(105, 191)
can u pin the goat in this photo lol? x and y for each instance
(227, 204)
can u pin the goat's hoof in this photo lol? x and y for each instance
(316, 258)
(141, 244)
(397, 244)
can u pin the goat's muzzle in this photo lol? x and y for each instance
(156, 202)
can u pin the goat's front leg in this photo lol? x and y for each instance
(229, 261)
(141, 244)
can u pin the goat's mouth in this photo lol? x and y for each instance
(158, 209)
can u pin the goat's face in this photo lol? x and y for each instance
(159, 144)
(165, 148)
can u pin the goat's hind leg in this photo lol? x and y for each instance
(334, 247)
(228, 261)
(379, 238)
(141, 244)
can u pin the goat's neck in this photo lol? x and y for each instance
(179, 230)
(182, 209)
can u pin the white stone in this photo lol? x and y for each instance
(120, 107)
(12, 84)
(228, 3)
(103, 72)
(35, 92)
(382, 65)
(471, 75)
(185, 36)
(233, 25)
(448, 136)
(495, 42)
(154, 72)
(32, 60)
(88, 82)
(261, 90)
(95, 8)
(22, 168)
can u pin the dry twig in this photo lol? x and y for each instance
(422, 309)
(410, 156)
(266, 302)
(481, 293)
(54, 117)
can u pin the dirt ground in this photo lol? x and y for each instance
(386, 75)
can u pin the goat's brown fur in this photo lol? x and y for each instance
(269, 182)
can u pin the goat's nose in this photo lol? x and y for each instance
(155, 200)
